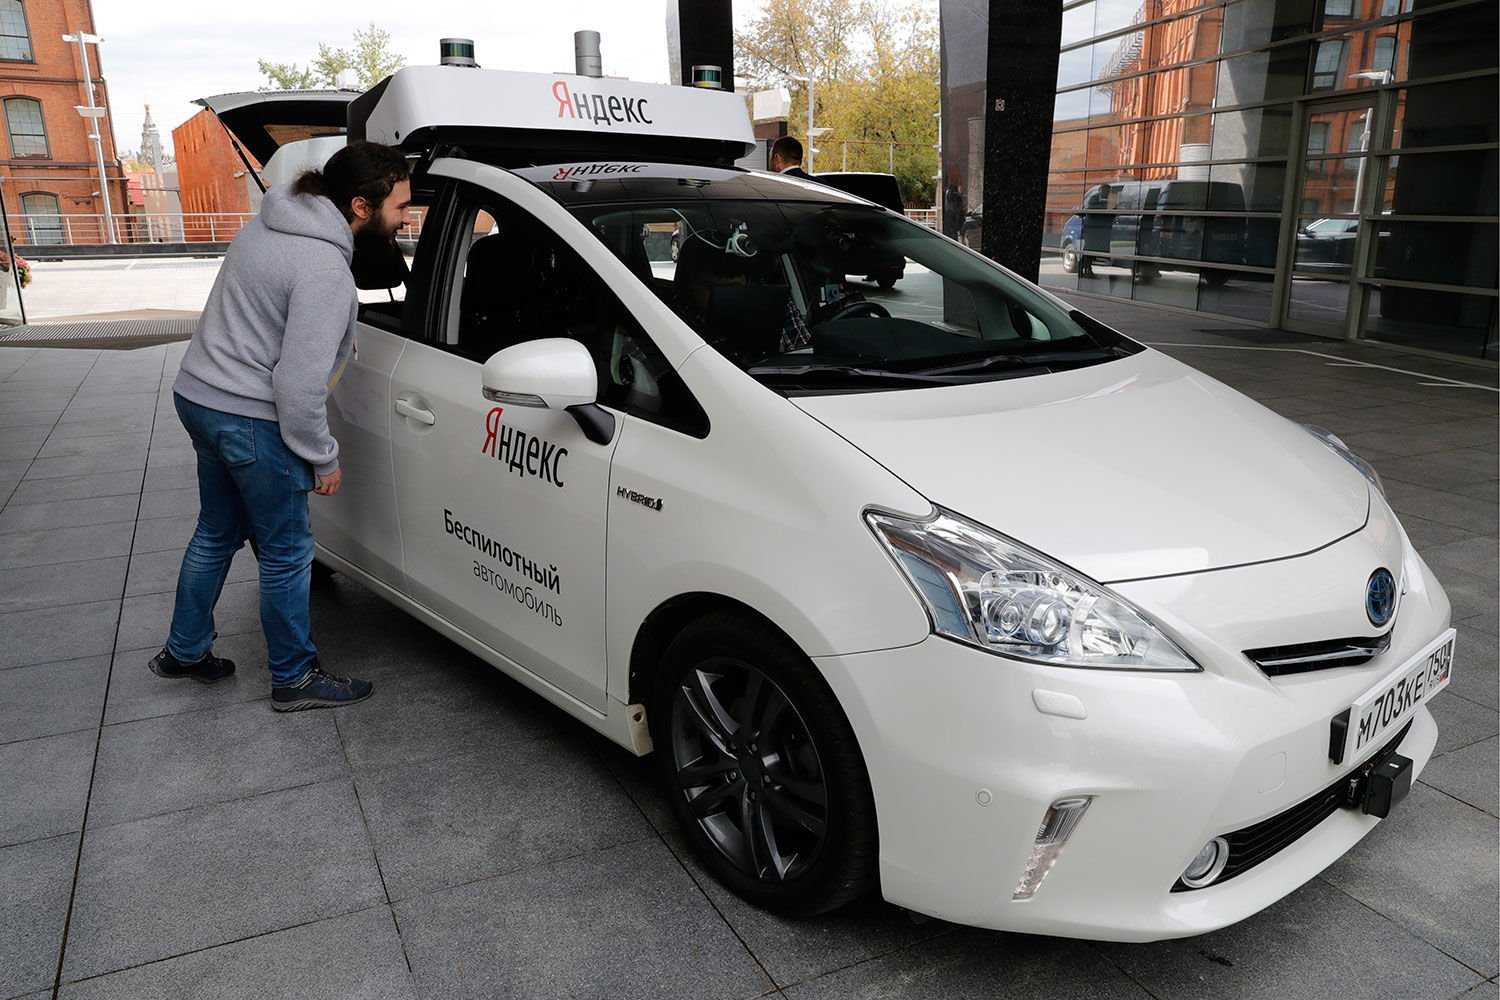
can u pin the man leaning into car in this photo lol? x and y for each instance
(252, 393)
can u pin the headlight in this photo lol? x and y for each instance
(989, 591)
(1339, 448)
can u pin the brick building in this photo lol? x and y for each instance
(216, 189)
(48, 175)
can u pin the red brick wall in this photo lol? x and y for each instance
(54, 76)
(206, 170)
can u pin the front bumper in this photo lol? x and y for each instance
(964, 762)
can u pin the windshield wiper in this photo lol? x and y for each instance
(1012, 362)
(849, 371)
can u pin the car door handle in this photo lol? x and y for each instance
(407, 408)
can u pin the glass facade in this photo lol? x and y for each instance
(1325, 165)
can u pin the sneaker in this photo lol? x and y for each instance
(319, 690)
(208, 670)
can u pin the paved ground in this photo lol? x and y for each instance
(80, 287)
(455, 837)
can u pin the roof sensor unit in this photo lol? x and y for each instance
(708, 77)
(457, 52)
(586, 60)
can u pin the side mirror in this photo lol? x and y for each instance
(555, 373)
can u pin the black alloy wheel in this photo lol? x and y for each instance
(748, 769)
(762, 769)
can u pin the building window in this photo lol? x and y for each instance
(1384, 56)
(1338, 8)
(28, 135)
(15, 37)
(44, 224)
(1329, 64)
(1390, 8)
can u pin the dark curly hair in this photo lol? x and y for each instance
(365, 170)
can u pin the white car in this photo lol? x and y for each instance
(950, 593)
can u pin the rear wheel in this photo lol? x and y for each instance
(1069, 257)
(762, 768)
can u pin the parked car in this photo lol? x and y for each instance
(960, 597)
(885, 191)
(1327, 245)
(1123, 221)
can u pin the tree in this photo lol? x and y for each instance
(370, 57)
(287, 76)
(876, 67)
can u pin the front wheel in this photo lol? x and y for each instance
(762, 769)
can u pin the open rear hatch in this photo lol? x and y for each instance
(261, 122)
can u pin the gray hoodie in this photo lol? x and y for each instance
(278, 323)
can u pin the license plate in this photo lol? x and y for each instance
(1386, 706)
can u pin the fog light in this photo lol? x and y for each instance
(1208, 865)
(1057, 826)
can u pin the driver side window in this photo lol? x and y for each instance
(517, 282)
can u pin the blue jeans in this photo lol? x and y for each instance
(250, 486)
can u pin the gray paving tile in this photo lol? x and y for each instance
(34, 882)
(44, 785)
(47, 546)
(105, 426)
(14, 450)
(1426, 535)
(156, 572)
(1442, 469)
(136, 693)
(1430, 867)
(977, 965)
(179, 761)
(1485, 492)
(1476, 674)
(44, 635)
(1471, 774)
(157, 533)
(354, 957)
(145, 620)
(102, 484)
(170, 884)
(445, 822)
(1484, 991)
(1486, 623)
(81, 465)
(1470, 593)
(52, 586)
(793, 951)
(50, 698)
(621, 923)
(170, 503)
(1461, 722)
(67, 446)
(439, 711)
(68, 513)
(1474, 516)
(1317, 943)
(173, 477)
(1476, 555)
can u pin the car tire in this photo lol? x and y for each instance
(814, 843)
(1069, 257)
(886, 282)
(676, 249)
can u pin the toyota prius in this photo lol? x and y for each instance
(943, 591)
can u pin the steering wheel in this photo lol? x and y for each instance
(873, 310)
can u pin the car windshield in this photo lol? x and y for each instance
(814, 298)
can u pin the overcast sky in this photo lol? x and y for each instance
(168, 52)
